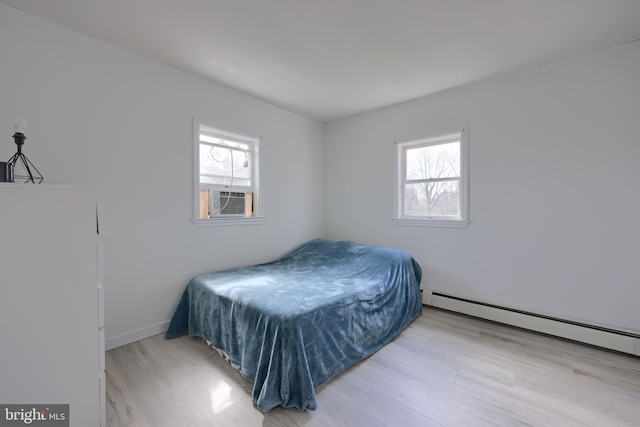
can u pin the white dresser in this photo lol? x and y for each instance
(51, 316)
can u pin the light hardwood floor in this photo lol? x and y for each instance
(443, 370)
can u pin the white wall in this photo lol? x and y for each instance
(555, 155)
(104, 117)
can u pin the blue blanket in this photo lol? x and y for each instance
(294, 323)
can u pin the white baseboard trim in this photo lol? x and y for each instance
(621, 341)
(137, 335)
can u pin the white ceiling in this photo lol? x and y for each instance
(331, 59)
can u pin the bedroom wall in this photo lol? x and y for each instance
(104, 117)
(554, 173)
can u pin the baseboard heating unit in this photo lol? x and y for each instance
(622, 341)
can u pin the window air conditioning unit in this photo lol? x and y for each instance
(226, 203)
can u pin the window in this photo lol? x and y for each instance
(431, 180)
(226, 177)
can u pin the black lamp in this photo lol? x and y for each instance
(31, 173)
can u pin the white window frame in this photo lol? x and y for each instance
(254, 142)
(460, 221)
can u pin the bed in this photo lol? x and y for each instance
(294, 323)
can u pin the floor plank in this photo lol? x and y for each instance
(445, 369)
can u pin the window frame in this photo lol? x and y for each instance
(243, 138)
(400, 167)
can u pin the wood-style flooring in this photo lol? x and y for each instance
(444, 369)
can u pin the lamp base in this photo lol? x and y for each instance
(29, 168)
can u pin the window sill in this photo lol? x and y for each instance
(435, 223)
(223, 222)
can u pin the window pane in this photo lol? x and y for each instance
(434, 161)
(440, 198)
(224, 165)
(217, 140)
(226, 175)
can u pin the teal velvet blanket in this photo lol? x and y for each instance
(294, 323)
